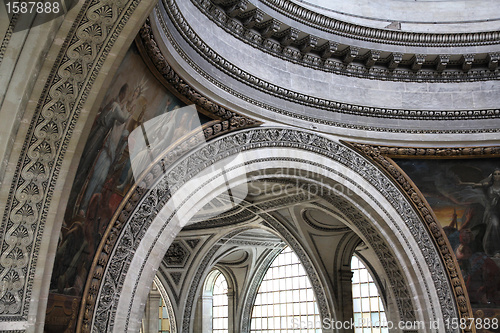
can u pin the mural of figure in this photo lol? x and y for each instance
(114, 145)
(110, 115)
(479, 271)
(155, 136)
(491, 190)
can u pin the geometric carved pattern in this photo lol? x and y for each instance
(192, 242)
(135, 222)
(176, 277)
(80, 60)
(176, 255)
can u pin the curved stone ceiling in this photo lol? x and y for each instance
(413, 15)
(219, 45)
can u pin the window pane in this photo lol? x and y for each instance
(369, 315)
(163, 321)
(287, 287)
(220, 305)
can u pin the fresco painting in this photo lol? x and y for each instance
(465, 197)
(103, 178)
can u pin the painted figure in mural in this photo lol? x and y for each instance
(157, 135)
(115, 118)
(480, 272)
(113, 113)
(490, 188)
(80, 239)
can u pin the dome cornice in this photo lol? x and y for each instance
(386, 36)
(268, 34)
(230, 69)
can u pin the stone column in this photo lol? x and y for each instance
(345, 279)
(151, 315)
(206, 313)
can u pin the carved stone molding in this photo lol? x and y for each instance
(213, 58)
(160, 59)
(8, 35)
(89, 41)
(230, 120)
(347, 59)
(168, 303)
(435, 152)
(177, 255)
(138, 213)
(381, 155)
(350, 30)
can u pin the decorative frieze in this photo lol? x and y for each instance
(350, 30)
(232, 70)
(475, 68)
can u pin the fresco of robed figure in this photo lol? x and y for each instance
(104, 174)
(465, 197)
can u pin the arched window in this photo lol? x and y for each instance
(158, 312)
(214, 304)
(285, 301)
(220, 307)
(369, 314)
(164, 318)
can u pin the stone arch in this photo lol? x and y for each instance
(209, 280)
(72, 66)
(207, 288)
(209, 262)
(273, 225)
(166, 298)
(148, 225)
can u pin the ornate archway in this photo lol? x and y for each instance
(150, 220)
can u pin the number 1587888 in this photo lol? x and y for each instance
(38, 7)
